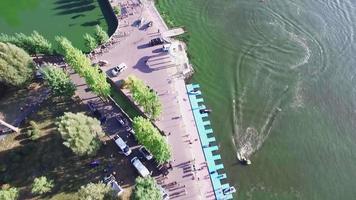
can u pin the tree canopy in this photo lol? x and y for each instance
(41, 185)
(33, 44)
(16, 67)
(82, 65)
(146, 189)
(9, 193)
(150, 137)
(100, 35)
(90, 42)
(58, 81)
(94, 191)
(80, 133)
(144, 96)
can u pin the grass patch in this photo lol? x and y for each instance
(124, 103)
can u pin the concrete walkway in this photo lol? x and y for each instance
(189, 178)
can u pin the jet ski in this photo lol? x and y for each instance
(229, 190)
(205, 110)
(195, 91)
(243, 160)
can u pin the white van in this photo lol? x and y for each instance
(122, 145)
(142, 170)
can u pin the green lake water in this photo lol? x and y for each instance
(280, 79)
(69, 18)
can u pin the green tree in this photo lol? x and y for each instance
(144, 97)
(16, 67)
(34, 132)
(82, 65)
(100, 35)
(8, 193)
(117, 10)
(90, 42)
(41, 185)
(40, 44)
(146, 189)
(80, 133)
(33, 44)
(94, 191)
(74, 57)
(97, 81)
(150, 137)
(59, 81)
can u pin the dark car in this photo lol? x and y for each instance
(121, 120)
(156, 41)
(145, 153)
(39, 74)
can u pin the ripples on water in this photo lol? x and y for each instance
(282, 75)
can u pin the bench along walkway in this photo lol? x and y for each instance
(207, 140)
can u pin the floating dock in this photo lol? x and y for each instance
(207, 140)
(173, 32)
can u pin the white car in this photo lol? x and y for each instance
(122, 145)
(118, 69)
(142, 170)
(166, 47)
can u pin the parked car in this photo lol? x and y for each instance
(150, 23)
(156, 41)
(102, 62)
(115, 187)
(39, 74)
(118, 69)
(145, 153)
(129, 129)
(121, 120)
(165, 196)
(141, 169)
(166, 47)
(122, 145)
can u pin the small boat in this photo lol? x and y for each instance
(229, 190)
(242, 159)
(195, 91)
(205, 111)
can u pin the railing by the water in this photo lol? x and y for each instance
(208, 143)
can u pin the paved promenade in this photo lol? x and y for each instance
(189, 178)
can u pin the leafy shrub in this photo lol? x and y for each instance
(34, 132)
(8, 193)
(41, 185)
